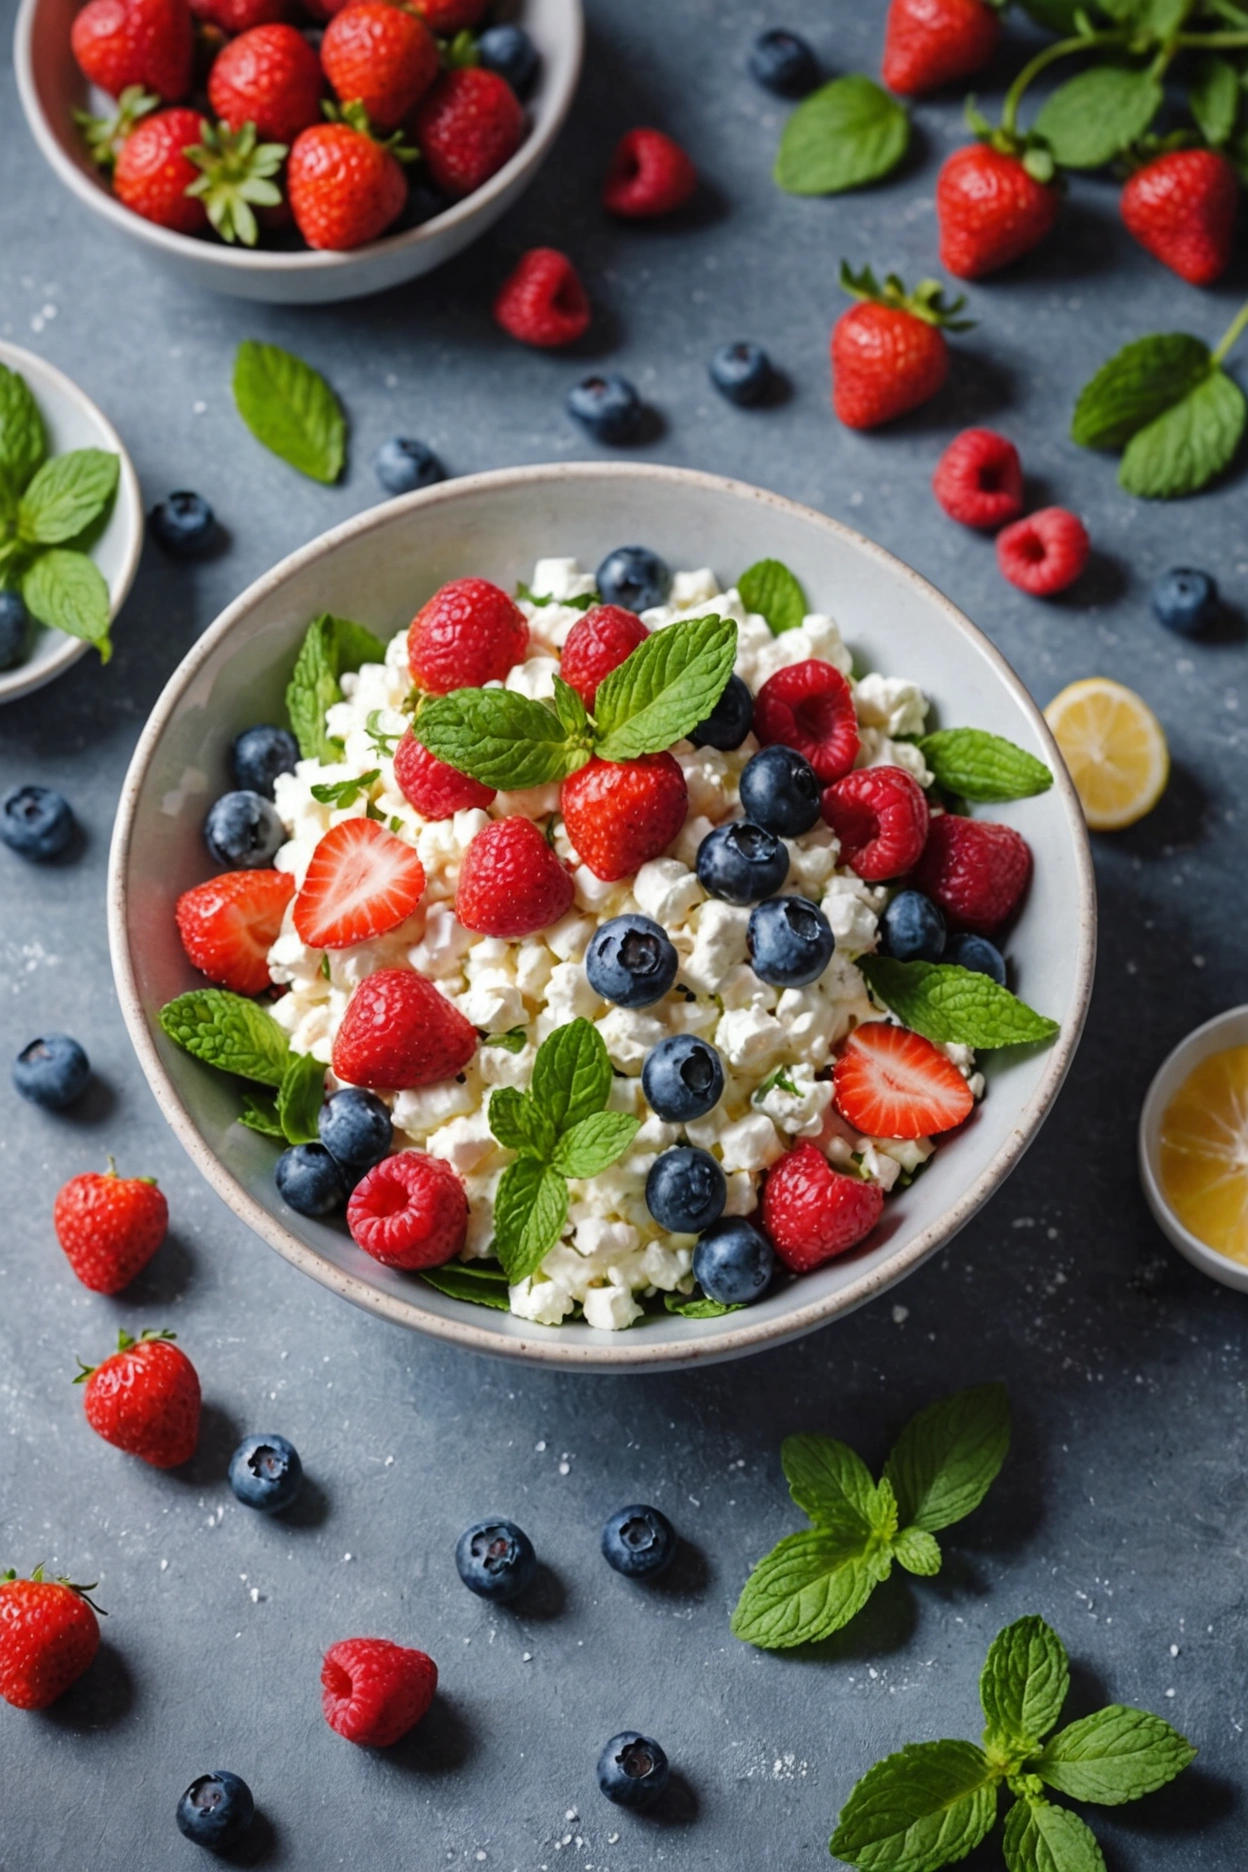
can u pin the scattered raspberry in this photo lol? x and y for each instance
(381, 55)
(409, 1211)
(119, 43)
(930, 43)
(145, 1400)
(1044, 553)
(891, 1083)
(153, 171)
(880, 816)
(399, 1032)
(361, 883)
(596, 644)
(271, 77)
(812, 1212)
(229, 924)
(979, 479)
(620, 814)
(649, 175)
(511, 883)
(975, 870)
(110, 1227)
(436, 789)
(467, 127)
(543, 302)
(373, 1692)
(470, 633)
(808, 706)
(49, 1634)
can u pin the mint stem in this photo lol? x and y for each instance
(1063, 48)
(1232, 333)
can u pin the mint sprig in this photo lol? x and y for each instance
(952, 1005)
(974, 765)
(769, 588)
(331, 646)
(480, 1283)
(290, 409)
(66, 495)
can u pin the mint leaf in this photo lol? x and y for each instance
(976, 765)
(479, 1285)
(300, 1097)
(228, 1031)
(1213, 97)
(67, 592)
(260, 1114)
(1092, 117)
(23, 443)
(513, 1041)
(667, 686)
(1042, 1838)
(779, 1076)
(1178, 452)
(1023, 1685)
(918, 1810)
(1114, 1756)
(842, 136)
(571, 1074)
(917, 1551)
(949, 1004)
(290, 409)
(584, 601)
(383, 742)
(530, 1210)
(769, 588)
(1138, 384)
(66, 495)
(829, 1482)
(570, 710)
(519, 1124)
(587, 1147)
(331, 646)
(948, 1456)
(345, 792)
(806, 1588)
(697, 1306)
(500, 738)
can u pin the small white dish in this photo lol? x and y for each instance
(1228, 1029)
(72, 422)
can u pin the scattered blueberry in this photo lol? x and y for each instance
(402, 466)
(780, 790)
(35, 822)
(510, 52)
(266, 1473)
(685, 1190)
(259, 754)
(1185, 600)
(912, 928)
(784, 63)
(683, 1078)
(184, 524)
(14, 623)
(216, 1809)
(309, 1181)
(495, 1560)
(978, 954)
(355, 1129)
(740, 862)
(607, 406)
(632, 1770)
(634, 577)
(52, 1072)
(741, 372)
(729, 721)
(639, 1542)
(631, 961)
(733, 1262)
(243, 831)
(790, 941)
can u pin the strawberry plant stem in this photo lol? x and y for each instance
(1232, 333)
(1210, 42)
(1060, 49)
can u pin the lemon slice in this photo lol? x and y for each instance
(1203, 1158)
(1115, 749)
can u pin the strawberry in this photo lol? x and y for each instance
(409, 1211)
(650, 175)
(109, 1226)
(468, 126)
(1182, 208)
(810, 706)
(435, 789)
(239, 16)
(470, 633)
(345, 187)
(511, 883)
(270, 77)
(229, 924)
(975, 870)
(448, 17)
(48, 1636)
(879, 814)
(362, 881)
(979, 479)
(542, 301)
(154, 172)
(596, 644)
(381, 55)
(145, 1399)
(891, 1083)
(1045, 552)
(373, 1692)
(993, 206)
(930, 43)
(620, 814)
(812, 1212)
(889, 352)
(399, 1032)
(119, 43)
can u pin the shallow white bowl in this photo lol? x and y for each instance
(379, 568)
(51, 87)
(1228, 1029)
(72, 422)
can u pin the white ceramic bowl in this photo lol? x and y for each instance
(378, 568)
(1228, 1029)
(51, 86)
(72, 421)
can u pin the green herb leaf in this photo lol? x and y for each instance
(383, 742)
(769, 588)
(806, 1588)
(584, 601)
(291, 409)
(67, 592)
(975, 765)
(519, 1123)
(778, 1076)
(1057, 15)
(570, 710)
(229, 1032)
(951, 1004)
(697, 1306)
(1114, 1756)
(1213, 97)
(1023, 1685)
(1092, 117)
(259, 1113)
(500, 738)
(588, 1147)
(23, 443)
(842, 136)
(830, 1483)
(345, 792)
(300, 1097)
(918, 1810)
(1042, 1838)
(917, 1551)
(331, 646)
(1178, 452)
(530, 1210)
(478, 1284)
(571, 1074)
(1135, 386)
(66, 495)
(667, 686)
(948, 1456)
(513, 1041)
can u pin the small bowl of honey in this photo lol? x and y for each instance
(1193, 1147)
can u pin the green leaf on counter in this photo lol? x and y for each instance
(290, 409)
(844, 135)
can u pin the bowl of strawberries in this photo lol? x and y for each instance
(297, 151)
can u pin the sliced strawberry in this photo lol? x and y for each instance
(229, 924)
(892, 1083)
(362, 881)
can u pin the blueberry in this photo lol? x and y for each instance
(495, 1560)
(52, 1072)
(259, 754)
(243, 831)
(977, 954)
(35, 822)
(634, 577)
(1185, 601)
(632, 1770)
(14, 624)
(510, 52)
(912, 928)
(184, 524)
(733, 1262)
(355, 1129)
(216, 1809)
(266, 1473)
(309, 1181)
(784, 63)
(741, 372)
(631, 961)
(607, 406)
(780, 790)
(685, 1190)
(740, 862)
(790, 941)
(729, 721)
(639, 1542)
(683, 1078)
(402, 466)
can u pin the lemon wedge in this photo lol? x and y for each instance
(1203, 1157)
(1115, 749)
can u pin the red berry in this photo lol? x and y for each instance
(596, 644)
(229, 924)
(239, 16)
(468, 126)
(649, 175)
(448, 17)
(470, 633)
(110, 1227)
(409, 1211)
(398, 1032)
(1182, 208)
(812, 1212)
(543, 302)
(324, 9)
(435, 789)
(879, 814)
(373, 1692)
(979, 479)
(990, 210)
(885, 361)
(929, 43)
(153, 171)
(362, 881)
(145, 1400)
(135, 42)
(975, 870)
(344, 188)
(620, 814)
(1044, 553)
(49, 1634)
(511, 883)
(270, 77)
(809, 706)
(381, 56)
(891, 1083)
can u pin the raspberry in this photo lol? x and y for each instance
(808, 706)
(399, 1032)
(979, 479)
(879, 814)
(470, 633)
(511, 883)
(812, 1212)
(598, 643)
(409, 1211)
(373, 1692)
(436, 789)
(1044, 553)
(543, 302)
(619, 815)
(649, 175)
(974, 870)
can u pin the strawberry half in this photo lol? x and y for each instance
(229, 924)
(362, 881)
(891, 1083)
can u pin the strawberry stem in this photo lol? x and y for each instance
(1231, 335)
(1210, 42)
(1060, 49)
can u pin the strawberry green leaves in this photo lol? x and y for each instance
(1093, 117)
(1213, 93)
(974, 765)
(948, 1004)
(291, 409)
(844, 135)
(769, 588)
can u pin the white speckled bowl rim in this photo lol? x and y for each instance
(1228, 1029)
